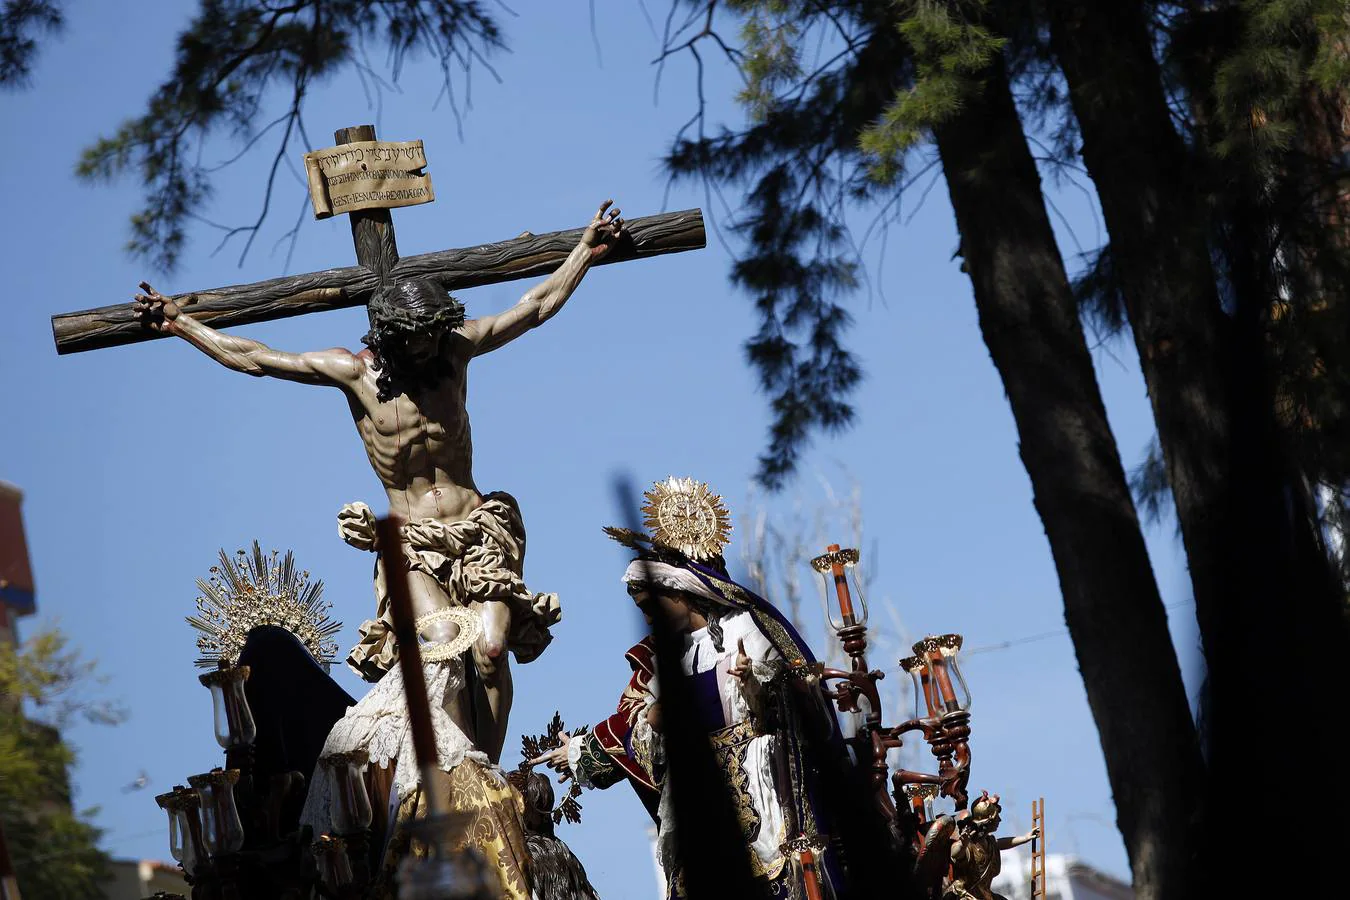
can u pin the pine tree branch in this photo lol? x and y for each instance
(268, 46)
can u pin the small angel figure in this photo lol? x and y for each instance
(969, 845)
(555, 873)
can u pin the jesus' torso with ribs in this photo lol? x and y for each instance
(420, 446)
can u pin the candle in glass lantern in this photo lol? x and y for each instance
(233, 718)
(185, 836)
(921, 797)
(440, 872)
(351, 810)
(949, 648)
(222, 829)
(925, 705)
(804, 855)
(939, 653)
(835, 566)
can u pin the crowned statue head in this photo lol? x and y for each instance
(410, 324)
(687, 527)
(680, 566)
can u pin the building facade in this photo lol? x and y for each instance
(18, 596)
(134, 879)
(1066, 878)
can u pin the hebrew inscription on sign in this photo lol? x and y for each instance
(367, 175)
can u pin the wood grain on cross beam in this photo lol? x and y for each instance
(279, 298)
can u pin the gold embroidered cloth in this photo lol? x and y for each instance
(494, 829)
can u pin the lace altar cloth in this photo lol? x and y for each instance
(379, 725)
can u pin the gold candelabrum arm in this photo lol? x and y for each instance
(855, 691)
(946, 728)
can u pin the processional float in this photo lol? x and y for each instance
(237, 837)
(235, 829)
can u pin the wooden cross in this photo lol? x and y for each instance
(378, 263)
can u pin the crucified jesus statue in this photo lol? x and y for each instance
(406, 393)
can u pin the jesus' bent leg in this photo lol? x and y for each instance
(493, 698)
(428, 596)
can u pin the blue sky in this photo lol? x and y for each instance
(138, 463)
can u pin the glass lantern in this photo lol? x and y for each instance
(838, 573)
(350, 807)
(924, 704)
(233, 719)
(949, 689)
(331, 855)
(185, 836)
(222, 830)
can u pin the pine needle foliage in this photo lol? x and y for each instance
(826, 136)
(21, 24)
(950, 48)
(234, 60)
(1267, 92)
(800, 165)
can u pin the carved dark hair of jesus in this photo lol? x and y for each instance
(412, 306)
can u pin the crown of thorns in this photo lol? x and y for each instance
(390, 316)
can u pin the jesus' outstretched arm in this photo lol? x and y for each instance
(337, 367)
(541, 302)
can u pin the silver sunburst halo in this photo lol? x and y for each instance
(255, 588)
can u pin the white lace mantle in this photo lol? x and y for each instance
(379, 725)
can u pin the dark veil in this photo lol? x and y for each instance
(295, 704)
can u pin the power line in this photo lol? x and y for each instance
(1044, 635)
(1009, 644)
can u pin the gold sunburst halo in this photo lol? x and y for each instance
(253, 589)
(685, 515)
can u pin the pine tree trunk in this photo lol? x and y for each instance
(1145, 181)
(1258, 568)
(1112, 607)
